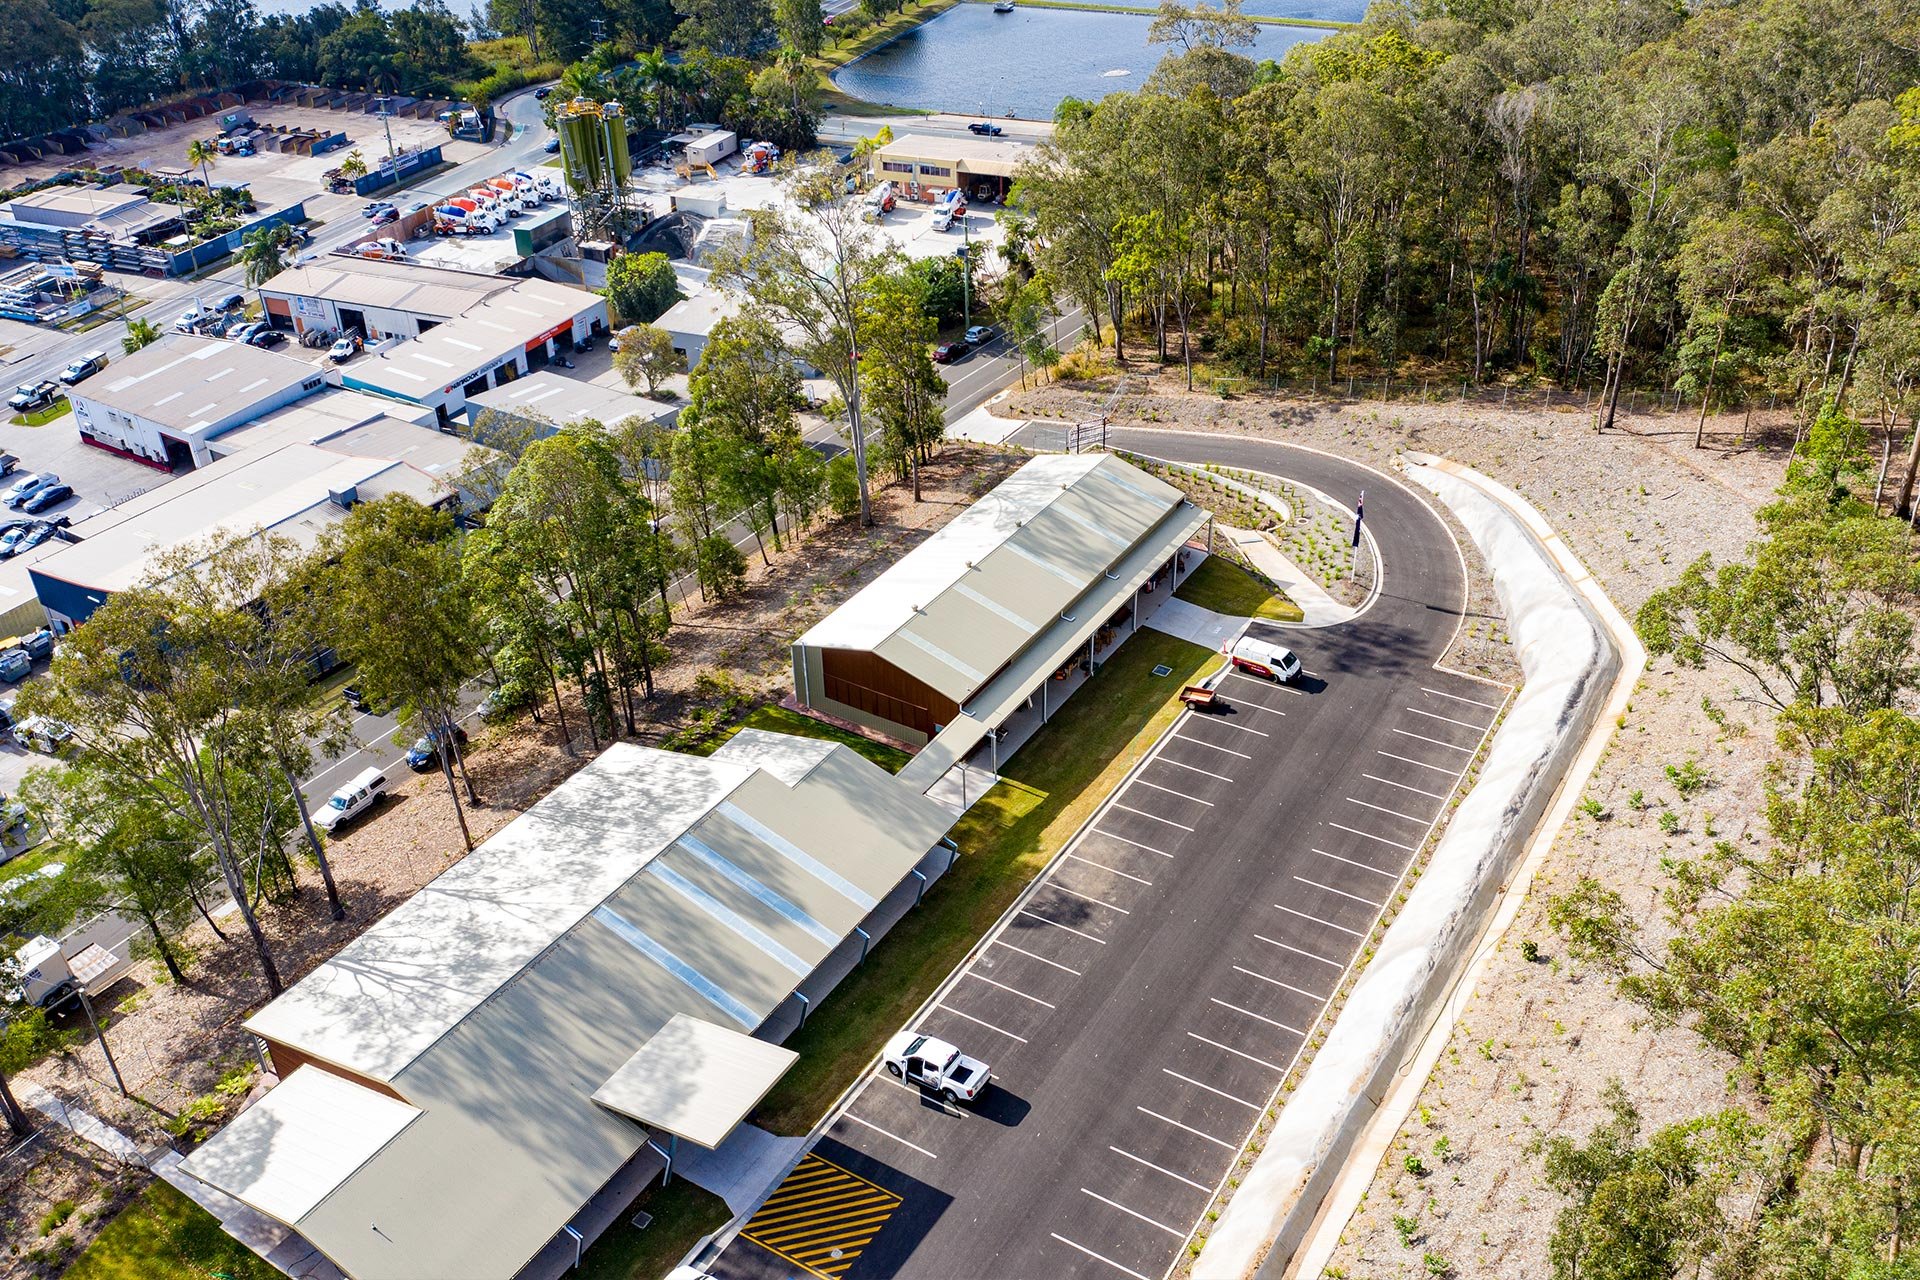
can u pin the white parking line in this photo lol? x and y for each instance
(1421, 764)
(939, 1103)
(969, 973)
(1069, 928)
(1317, 920)
(1391, 875)
(1159, 1169)
(1369, 835)
(1097, 1257)
(1156, 817)
(1055, 884)
(1268, 684)
(947, 1008)
(1189, 1128)
(1002, 942)
(1251, 1106)
(1431, 795)
(848, 1115)
(1142, 782)
(1288, 986)
(1225, 724)
(1125, 875)
(1272, 1022)
(1406, 733)
(1434, 715)
(1114, 1204)
(1365, 902)
(1190, 768)
(1236, 1053)
(1272, 711)
(1383, 809)
(1198, 743)
(1287, 946)
(1457, 698)
(1135, 843)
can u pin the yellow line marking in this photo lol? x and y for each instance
(821, 1218)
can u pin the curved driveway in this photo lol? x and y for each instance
(1142, 1004)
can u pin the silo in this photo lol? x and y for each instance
(615, 137)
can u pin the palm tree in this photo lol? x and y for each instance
(139, 334)
(354, 166)
(795, 70)
(263, 253)
(202, 152)
(652, 70)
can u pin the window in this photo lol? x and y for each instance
(935, 171)
(896, 166)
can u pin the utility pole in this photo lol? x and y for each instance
(386, 121)
(101, 1036)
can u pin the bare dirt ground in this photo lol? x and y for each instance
(1540, 1040)
(175, 1043)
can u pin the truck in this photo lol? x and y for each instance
(50, 978)
(935, 1066)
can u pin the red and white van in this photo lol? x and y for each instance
(1257, 657)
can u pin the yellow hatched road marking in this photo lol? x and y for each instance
(821, 1218)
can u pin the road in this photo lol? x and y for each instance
(1142, 1002)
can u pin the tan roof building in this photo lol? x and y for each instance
(939, 161)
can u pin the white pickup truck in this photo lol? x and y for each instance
(935, 1065)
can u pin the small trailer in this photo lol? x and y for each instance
(1201, 698)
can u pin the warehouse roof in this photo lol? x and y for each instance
(435, 292)
(561, 400)
(86, 202)
(187, 384)
(506, 993)
(975, 155)
(502, 324)
(957, 608)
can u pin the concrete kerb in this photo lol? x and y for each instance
(1581, 661)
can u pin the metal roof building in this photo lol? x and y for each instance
(377, 297)
(555, 1009)
(545, 397)
(941, 647)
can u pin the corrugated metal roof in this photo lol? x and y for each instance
(434, 292)
(506, 993)
(961, 605)
(567, 400)
(695, 1079)
(185, 383)
(300, 1141)
(447, 355)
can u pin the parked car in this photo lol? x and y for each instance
(14, 539)
(83, 368)
(231, 302)
(267, 338)
(985, 129)
(948, 352)
(188, 320)
(343, 350)
(494, 708)
(51, 496)
(245, 332)
(28, 485)
(936, 1066)
(8, 464)
(29, 396)
(386, 215)
(553, 146)
(352, 801)
(358, 700)
(980, 335)
(38, 534)
(374, 207)
(43, 733)
(424, 754)
(1257, 657)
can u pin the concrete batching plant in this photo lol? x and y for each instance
(593, 156)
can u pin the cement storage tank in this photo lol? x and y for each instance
(593, 145)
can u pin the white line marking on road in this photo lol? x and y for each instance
(848, 1115)
(1135, 843)
(947, 1008)
(1434, 715)
(1002, 942)
(1142, 782)
(1115, 1204)
(1457, 698)
(1365, 902)
(1097, 1257)
(1391, 812)
(1317, 920)
(1055, 884)
(1198, 743)
(1369, 835)
(1189, 1128)
(1113, 870)
(939, 1103)
(1272, 711)
(1422, 764)
(1391, 875)
(1251, 1106)
(1268, 684)
(1004, 987)
(1156, 817)
(1235, 1052)
(1225, 724)
(1287, 946)
(1407, 733)
(1190, 768)
(1300, 991)
(1069, 928)
(1431, 795)
(1272, 1022)
(1159, 1169)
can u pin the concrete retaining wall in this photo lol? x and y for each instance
(1571, 661)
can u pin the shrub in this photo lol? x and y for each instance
(1529, 950)
(51, 1220)
(1669, 822)
(1688, 778)
(721, 566)
(843, 487)
(1416, 1166)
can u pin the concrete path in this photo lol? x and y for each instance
(982, 426)
(742, 1169)
(82, 1124)
(1321, 609)
(1201, 626)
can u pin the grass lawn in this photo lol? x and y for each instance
(1047, 791)
(1224, 587)
(682, 1214)
(781, 720)
(162, 1235)
(41, 417)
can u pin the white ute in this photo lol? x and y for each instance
(935, 1065)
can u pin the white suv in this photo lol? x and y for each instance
(351, 801)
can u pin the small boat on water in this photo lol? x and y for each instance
(1003, 6)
